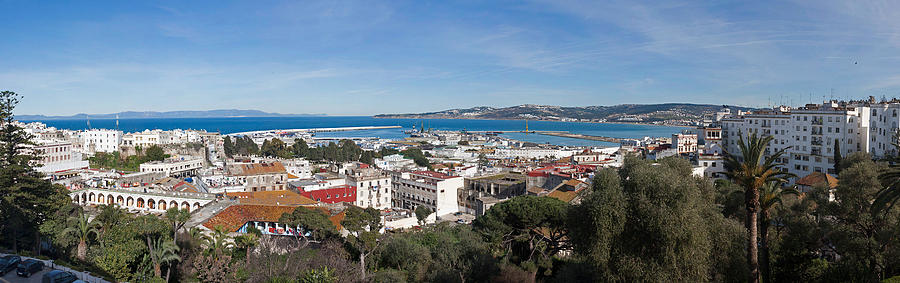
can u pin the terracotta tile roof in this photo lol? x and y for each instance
(818, 179)
(285, 198)
(259, 169)
(235, 216)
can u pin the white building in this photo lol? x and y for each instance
(684, 143)
(58, 156)
(101, 140)
(809, 133)
(394, 162)
(148, 138)
(181, 166)
(435, 190)
(532, 152)
(373, 186)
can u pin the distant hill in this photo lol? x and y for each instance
(622, 112)
(221, 113)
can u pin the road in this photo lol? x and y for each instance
(11, 277)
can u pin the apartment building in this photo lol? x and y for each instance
(435, 190)
(57, 156)
(101, 140)
(373, 186)
(684, 143)
(808, 134)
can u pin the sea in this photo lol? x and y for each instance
(244, 124)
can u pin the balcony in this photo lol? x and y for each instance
(816, 152)
(816, 132)
(817, 122)
(816, 142)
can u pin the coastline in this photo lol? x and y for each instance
(502, 119)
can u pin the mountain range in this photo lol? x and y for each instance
(622, 112)
(220, 113)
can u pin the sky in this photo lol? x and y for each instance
(370, 57)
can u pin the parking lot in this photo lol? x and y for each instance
(466, 218)
(11, 277)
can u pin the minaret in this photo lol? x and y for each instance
(117, 122)
(89, 122)
(526, 126)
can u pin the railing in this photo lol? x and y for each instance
(817, 122)
(816, 142)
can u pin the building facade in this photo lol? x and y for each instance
(437, 191)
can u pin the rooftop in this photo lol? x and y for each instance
(818, 179)
(235, 216)
(435, 175)
(282, 198)
(258, 169)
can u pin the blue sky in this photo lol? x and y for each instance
(369, 57)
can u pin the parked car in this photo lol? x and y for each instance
(8, 263)
(29, 267)
(58, 276)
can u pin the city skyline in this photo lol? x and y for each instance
(359, 58)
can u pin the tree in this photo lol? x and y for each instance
(888, 196)
(417, 156)
(218, 243)
(865, 238)
(625, 227)
(177, 218)
(299, 148)
(752, 169)
(529, 229)
(155, 153)
(364, 226)
(838, 158)
(275, 148)
(228, 146)
(422, 213)
(163, 252)
(248, 241)
(26, 198)
(323, 275)
(81, 228)
(771, 195)
(313, 221)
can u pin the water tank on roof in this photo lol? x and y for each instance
(189, 180)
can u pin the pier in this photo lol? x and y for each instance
(313, 130)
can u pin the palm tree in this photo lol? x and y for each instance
(248, 241)
(178, 218)
(770, 196)
(218, 242)
(887, 197)
(162, 252)
(752, 169)
(82, 228)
